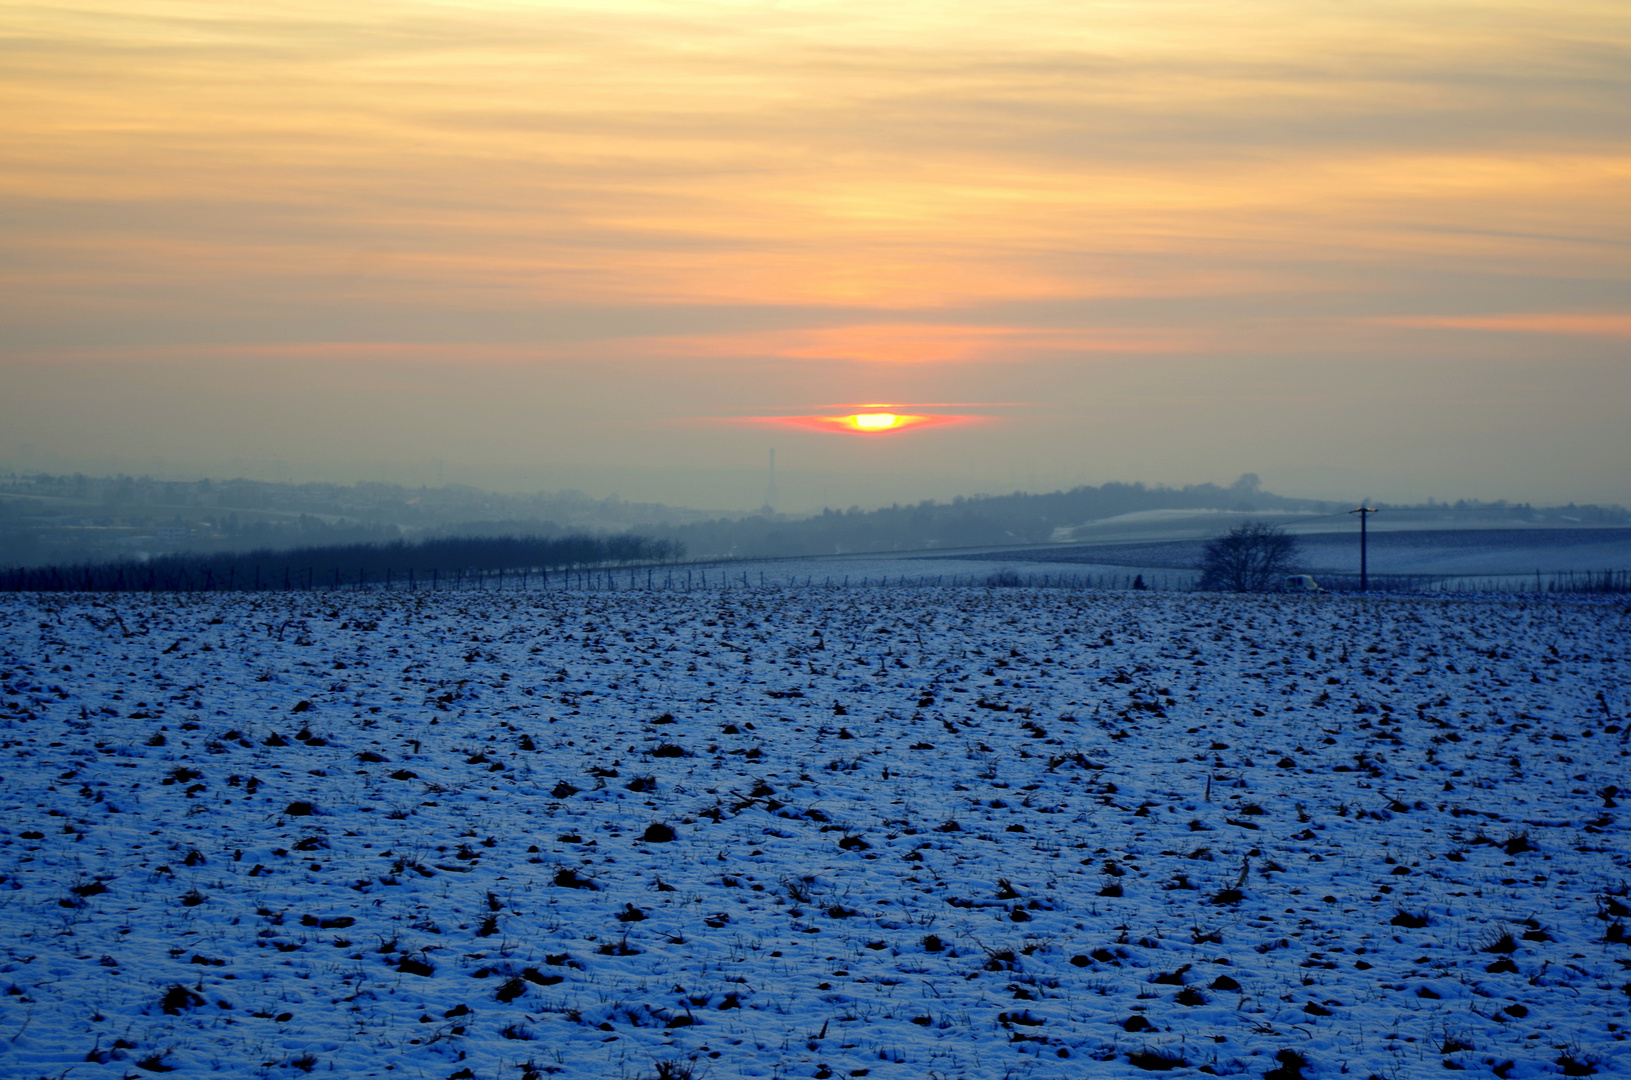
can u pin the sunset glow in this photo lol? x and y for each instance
(545, 233)
(865, 423)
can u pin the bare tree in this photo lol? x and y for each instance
(1248, 558)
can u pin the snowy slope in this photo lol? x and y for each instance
(915, 832)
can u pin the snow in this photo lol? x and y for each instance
(916, 832)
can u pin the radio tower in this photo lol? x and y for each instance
(770, 486)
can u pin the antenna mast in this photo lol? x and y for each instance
(770, 486)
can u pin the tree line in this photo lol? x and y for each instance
(434, 562)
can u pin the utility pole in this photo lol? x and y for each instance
(1364, 513)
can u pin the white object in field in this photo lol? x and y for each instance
(1302, 583)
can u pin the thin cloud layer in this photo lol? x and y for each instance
(792, 199)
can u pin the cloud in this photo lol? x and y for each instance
(1590, 325)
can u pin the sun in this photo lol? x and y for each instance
(875, 423)
(870, 418)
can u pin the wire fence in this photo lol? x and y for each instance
(287, 578)
(284, 577)
(1566, 582)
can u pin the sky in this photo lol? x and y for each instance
(1363, 249)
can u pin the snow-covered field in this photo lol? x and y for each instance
(812, 833)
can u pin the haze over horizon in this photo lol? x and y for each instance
(1369, 250)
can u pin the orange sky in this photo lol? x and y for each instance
(1361, 249)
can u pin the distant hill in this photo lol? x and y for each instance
(79, 520)
(1018, 518)
(76, 519)
(1110, 513)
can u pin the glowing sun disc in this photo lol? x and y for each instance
(866, 423)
